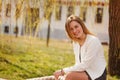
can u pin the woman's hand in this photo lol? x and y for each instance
(58, 73)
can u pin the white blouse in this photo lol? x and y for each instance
(89, 57)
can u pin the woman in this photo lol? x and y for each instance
(89, 54)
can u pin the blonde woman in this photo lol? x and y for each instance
(90, 63)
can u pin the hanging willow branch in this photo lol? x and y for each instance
(18, 9)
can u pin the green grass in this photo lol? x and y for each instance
(27, 57)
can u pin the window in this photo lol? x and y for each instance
(83, 13)
(48, 9)
(0, 11)
(32, 19)
(6, 30)
(70, 10)
(16, 30)
(0, 8)
(99, 15)
(8, 10)
(34, 14)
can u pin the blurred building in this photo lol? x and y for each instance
(28, 16)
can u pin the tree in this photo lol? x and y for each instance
(48, 7)
(114, 32)
(17, 15)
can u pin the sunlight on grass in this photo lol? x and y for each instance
(27, 57)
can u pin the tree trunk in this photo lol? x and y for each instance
(114, 36)
(48, 31)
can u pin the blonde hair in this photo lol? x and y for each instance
(77, 19)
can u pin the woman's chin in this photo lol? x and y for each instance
(77, 37)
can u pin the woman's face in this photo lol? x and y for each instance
(76, 29)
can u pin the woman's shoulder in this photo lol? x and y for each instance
(92, 37)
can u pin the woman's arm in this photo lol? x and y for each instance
(93, 48)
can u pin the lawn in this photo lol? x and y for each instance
(27, 57)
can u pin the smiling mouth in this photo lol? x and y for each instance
(76, 35)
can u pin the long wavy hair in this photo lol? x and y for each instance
(77, 19)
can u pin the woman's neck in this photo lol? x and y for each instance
(82, 39)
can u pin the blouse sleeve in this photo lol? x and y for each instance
(94, 47)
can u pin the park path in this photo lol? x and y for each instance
(2, 79)
(43, 78)
(47, 78)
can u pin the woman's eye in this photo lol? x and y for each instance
(76, 26)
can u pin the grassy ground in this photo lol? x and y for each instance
(26, 57)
